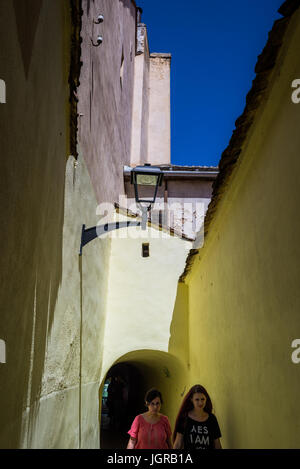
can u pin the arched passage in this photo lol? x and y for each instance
(135, 373)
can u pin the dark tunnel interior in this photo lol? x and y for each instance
(122, 400)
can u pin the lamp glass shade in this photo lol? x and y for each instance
(146, 179)
(147, 176)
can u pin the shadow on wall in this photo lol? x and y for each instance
(179, 329)
(30, 279)
(138, 371)
(32, 188)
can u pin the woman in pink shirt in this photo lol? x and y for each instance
(151, 430)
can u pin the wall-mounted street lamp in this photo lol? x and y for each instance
(146, 180)
(147, 175)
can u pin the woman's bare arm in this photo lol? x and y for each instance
(169, 443)
(218, 444)
(178, 443)
(131, 443)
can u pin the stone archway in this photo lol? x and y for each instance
(139, 370)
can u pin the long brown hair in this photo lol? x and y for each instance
(187, 405)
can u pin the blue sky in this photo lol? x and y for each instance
(214, 47)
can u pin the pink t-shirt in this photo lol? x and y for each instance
(151, 435)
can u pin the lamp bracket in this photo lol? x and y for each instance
(89, 234)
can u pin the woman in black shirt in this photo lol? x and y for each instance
(196, 426)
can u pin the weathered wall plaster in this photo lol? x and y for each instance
(66, 413)
(151, 129)
(159, 132)
(140, 115)
(106, 100)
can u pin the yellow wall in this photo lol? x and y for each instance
(52, 316)
(65, 414)
(33, 157)
(140, 303)
(244, 297)
(141, 291)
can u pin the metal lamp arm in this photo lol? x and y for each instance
(89, 234)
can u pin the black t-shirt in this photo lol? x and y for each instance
(199, 435)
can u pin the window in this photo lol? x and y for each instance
(145, 250)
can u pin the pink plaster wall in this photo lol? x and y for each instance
(105, 104)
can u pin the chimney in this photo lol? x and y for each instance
(139, 12)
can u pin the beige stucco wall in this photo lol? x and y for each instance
(151, 119)
(180, 203)
(243, 302)
(140, 112)
(159, 131)
(141, 292)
